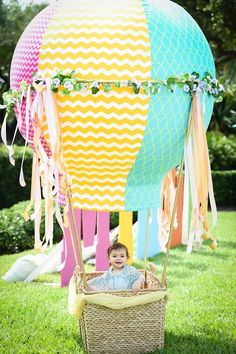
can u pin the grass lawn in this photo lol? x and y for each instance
(201, 314)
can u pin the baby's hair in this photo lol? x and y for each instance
(117, 246)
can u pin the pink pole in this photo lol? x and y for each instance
(103, 230)
(89, 225)
(67, 255)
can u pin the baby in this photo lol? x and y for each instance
(120, 276)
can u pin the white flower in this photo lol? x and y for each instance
(207, 87)
(94, 84)
(201, 85)
(68, 85)
(56, 82)
(193, 77)
(137, 83)
(221, 87)
(124, 83)
(198, 90)
(214, 81)
(186, 88)
(83, 87)
(210, 90)
(194, 87)
(164, 82)
(215, 91)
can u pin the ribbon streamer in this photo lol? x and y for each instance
(198, 177)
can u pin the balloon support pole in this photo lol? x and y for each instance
(163, 279)
(72, 253)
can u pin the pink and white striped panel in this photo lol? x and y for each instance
(25, 63)
(25, 58)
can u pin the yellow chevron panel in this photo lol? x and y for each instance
(100, 134)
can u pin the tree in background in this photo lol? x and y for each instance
(217, 20)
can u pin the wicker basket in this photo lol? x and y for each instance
(133, 330)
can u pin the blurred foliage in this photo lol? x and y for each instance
(16, 234)
(222, 151)
(11, 191)
(217, 21)
(224, 183)
(224, 114)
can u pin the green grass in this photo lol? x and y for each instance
(200, 315)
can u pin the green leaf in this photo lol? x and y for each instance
(171, 80)
(65, 79)
(65, 92)
(23, 85)
(78, 86)
(54, 89)
(95, 90)
(136, 90)
(155, 89)
(107, 87)
(187, 76)
(195, 74)
(74, 81)
(182, 77)
(130, 83)
(146, 90)
(219, 99)
(208, 74)
(181, 84)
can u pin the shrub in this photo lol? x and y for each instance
(11, 191)
(16, 234)
(222, 151)
(224, 183)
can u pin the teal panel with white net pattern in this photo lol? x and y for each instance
(177, 46)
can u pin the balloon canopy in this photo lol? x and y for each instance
(116, 146)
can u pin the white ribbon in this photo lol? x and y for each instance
(37, 203)
(51, 115)
(185, 215)
(27, 117)
(212, 198)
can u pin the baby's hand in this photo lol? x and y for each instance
(137, 286)
(153, 267)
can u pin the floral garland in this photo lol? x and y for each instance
(66, 83)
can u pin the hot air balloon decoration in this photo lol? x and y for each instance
(105, 93)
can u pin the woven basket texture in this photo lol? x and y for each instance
(133, 330)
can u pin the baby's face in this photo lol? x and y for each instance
(118, 258)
